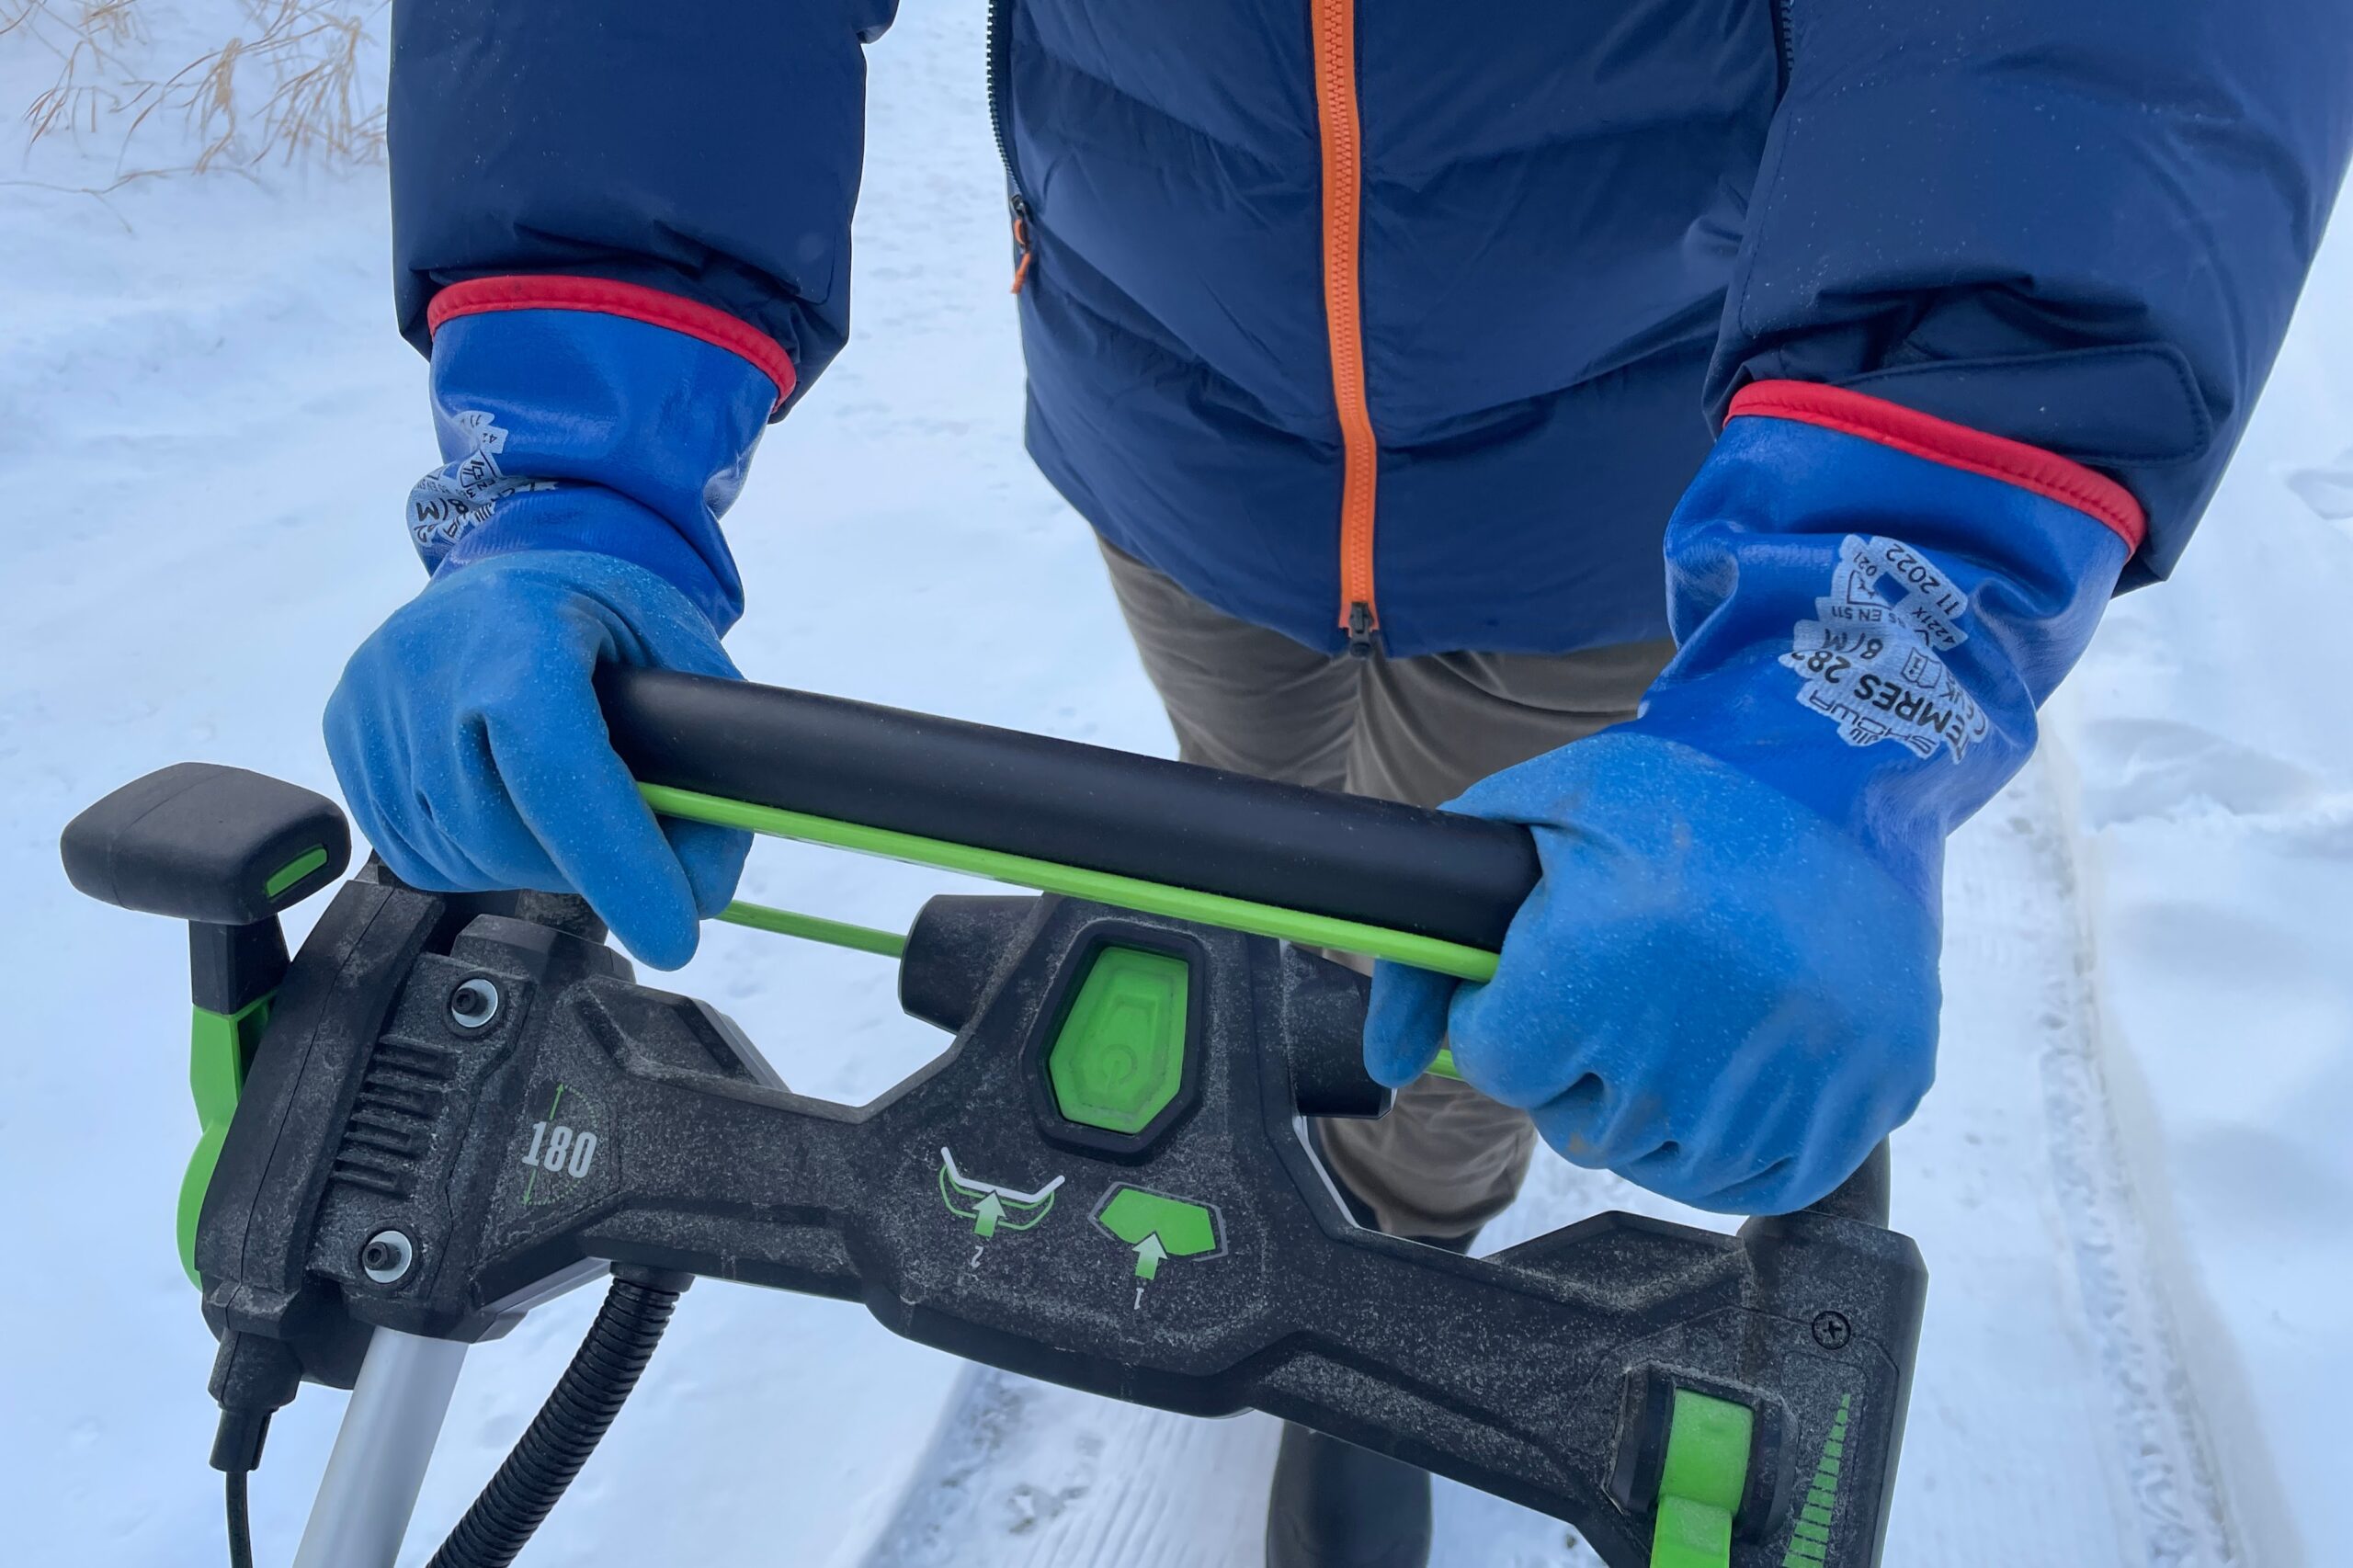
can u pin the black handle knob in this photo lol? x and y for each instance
(200, 841)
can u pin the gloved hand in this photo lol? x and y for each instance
(1724, 986)
(468, 740)
(594, 433)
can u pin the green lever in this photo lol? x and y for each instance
(225, 850)
(221, 1050)
(1126, 892)
(815, 928)
(893, 944)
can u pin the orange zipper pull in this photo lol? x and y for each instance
(1021, 238)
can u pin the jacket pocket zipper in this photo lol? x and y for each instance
(1000, 50)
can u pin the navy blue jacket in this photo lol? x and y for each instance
(1424, 314)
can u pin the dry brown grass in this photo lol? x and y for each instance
(288, 85)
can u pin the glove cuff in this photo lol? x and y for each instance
(1871, 604)
(628, 302)
(583, 414)
(1891, 425)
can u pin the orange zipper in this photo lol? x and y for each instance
(1021, 241)
(1334, 26)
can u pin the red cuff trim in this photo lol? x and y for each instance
(480, 296)
(1956, 446)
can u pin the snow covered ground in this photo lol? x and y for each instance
(2134, 1183)
(2206, 754)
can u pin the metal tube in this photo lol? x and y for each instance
(386, 1440)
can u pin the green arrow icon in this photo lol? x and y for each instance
(1158, 1227)
(986, 1213)
(1150, 1254)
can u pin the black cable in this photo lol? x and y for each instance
(253, 1377)
(241, 1530)
(564, 1433)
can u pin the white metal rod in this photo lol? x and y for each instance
(378, 1465)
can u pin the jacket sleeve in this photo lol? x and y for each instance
(711, 151)
(2080, 224)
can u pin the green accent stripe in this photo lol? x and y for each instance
(816, 928)
(294, 870)
(533, 1184)
(1103, 887)
(1810, 1536)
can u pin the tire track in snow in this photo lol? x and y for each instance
(1027, 1476)
(2161, 1445)
(2050, 1422)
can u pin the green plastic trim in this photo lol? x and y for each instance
(1700, 1485)
(220, 1048)
(816, 928)
(294, 870)
(1103, 887)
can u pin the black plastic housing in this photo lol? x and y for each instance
(1537, 1374)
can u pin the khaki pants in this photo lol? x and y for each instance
(1420, 729)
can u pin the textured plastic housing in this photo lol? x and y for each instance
(1206, 1266)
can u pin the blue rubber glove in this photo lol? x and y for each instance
(594, 434)
(468, 740)
(1724, 986)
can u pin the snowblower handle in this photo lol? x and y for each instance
(464, 1104)
(1374, 863)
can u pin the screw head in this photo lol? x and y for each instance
(473, 1005)
(1832, 1331)
(387, 1257)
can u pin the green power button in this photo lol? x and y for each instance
(1119, 1058)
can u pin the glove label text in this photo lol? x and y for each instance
(1871, 657)
(456, 498)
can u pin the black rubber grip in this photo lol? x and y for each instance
(1408, 869)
